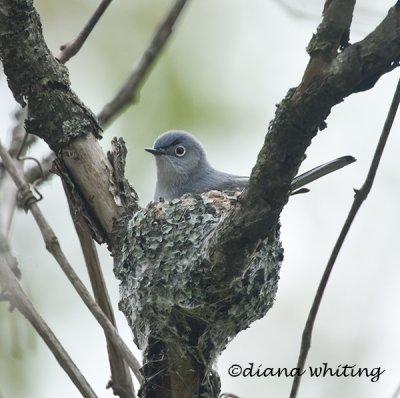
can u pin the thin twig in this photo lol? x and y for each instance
(68, 50)
(33, 173)
(12, 292)
(359, 198)
(121, 381)
(53, 246)
(129, 90)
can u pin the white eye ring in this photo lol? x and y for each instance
(180, 151)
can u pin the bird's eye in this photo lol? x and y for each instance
(180, 150)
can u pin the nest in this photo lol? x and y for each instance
(168, 292)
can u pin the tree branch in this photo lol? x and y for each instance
(134, 82)
(132, 85)
(337, 17)
(55, 112)
(129, 90)
(121, 381)
(297, 120)
(359, 197)
(12, 292)
(188, 332)
(35, 172)
(68, 50)
(53, 246)
(332, 34)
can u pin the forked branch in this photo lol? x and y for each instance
(53, 246)
(130, 88)
(12, 292)
(359, 197)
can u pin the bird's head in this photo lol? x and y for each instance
(178, 154)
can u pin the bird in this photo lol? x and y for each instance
(183, 168)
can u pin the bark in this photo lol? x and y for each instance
(55, 113)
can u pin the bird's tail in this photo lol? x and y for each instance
(320, 171)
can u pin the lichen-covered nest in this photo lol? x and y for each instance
(167, 289)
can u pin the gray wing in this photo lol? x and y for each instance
(220, 181)
(232, 183)
(320, 171)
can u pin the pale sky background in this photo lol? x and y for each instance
(228, 64)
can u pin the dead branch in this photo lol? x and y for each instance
(12, 292)
(121, 381)
(53, 246)
(68, 50)
(130, 88)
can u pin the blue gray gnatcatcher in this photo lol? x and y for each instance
(182, 167)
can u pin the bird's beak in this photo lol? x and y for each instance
(155, 151)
